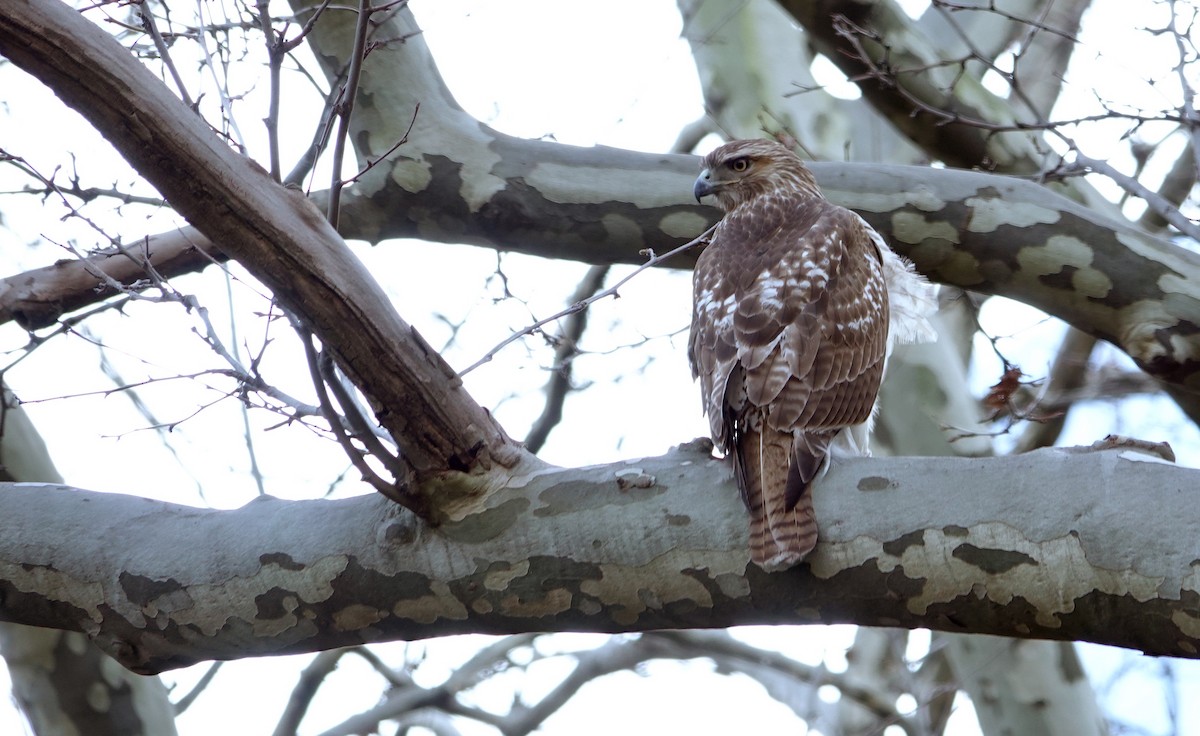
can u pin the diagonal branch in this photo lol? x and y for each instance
(277, 234)
(568, 339)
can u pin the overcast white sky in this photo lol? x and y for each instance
(614, 73)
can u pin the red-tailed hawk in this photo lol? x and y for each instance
(790, 334)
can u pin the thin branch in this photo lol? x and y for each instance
(992, 9)
(1188, 111)
(1153, 200)
(355, 417)
(278, 47)
(1175, 187)
(568, 347)
(205, 680)
(614, 656)
(397, 492)
(612, 291)
(346, 108)
(715, 644)
(403, 701)
(1066, 374)
(164, 53)
(306, 688)
(227, 117)
(275, 56)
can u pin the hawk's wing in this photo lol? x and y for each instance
(797, 312)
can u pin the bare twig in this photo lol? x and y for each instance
(227, 117)
(278, 47)
(612, 291)
(614, 656)
(992, 8)
(1188, 111)
(375, 162)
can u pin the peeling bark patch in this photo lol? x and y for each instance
(992, 560)
(517, 209)
(499, 574)
(897, 546)
(427, 201)
(283, 560)
(487, 524)
(364, 585)
(550, 603)
(274, 604)
(572, 498)
(895, 585)
(634, 478)
(913, 227)
(142, 591)
(732, 586)
(1188, 620)
(993, 210)
(684, 224)
(355, 617)
(621, 228)
(1060, 279)
(1082, 277)
(547, 588)
(874, 483)
(439, 604)
(620, 590)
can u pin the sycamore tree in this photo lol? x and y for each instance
(418, 482)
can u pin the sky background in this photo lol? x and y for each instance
(615, 73)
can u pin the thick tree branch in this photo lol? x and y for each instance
(980, 231)
(1095, 546)
(905, 68)
(276, 233)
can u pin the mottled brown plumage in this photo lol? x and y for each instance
(789, 335)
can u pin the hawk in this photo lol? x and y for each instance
(797, 303)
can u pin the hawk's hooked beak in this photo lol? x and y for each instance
(703, 185)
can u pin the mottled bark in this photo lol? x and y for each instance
(754, 67)
(984, 232)
(68, 687)
(1024, 687)
(63, 684)
(905, 77)
(1094, 546)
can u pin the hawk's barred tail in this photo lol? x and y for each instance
(780, 537)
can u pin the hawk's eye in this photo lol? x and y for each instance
(739, 164)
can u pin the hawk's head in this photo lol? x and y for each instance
(742, 170)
